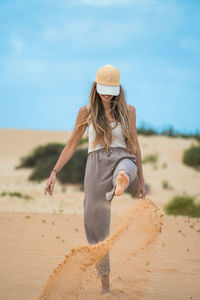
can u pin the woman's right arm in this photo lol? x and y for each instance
(69, 149)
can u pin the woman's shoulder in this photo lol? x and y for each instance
(131, 107)
(132, 113)
(83, 110)
(82, 114)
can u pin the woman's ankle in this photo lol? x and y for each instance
(105, 280)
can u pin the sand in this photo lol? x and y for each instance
(38, 235)
(66, 282)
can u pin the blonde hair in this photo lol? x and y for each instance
(119, 112)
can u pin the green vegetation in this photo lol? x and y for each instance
(133, 188)
(171, 132)
(191, 157)
(150, 158)
(63, 189)
(16, 194)
(183, 205)
(164, 165)
(146, 131)
(40, 153)
(166, 185)
(74, 170)
(83, 140)
(43, 159)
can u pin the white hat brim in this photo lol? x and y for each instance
(108, 90)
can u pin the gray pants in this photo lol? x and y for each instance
(100, 181)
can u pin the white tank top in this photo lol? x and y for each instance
(117, 136)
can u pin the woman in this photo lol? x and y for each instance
(114, 157)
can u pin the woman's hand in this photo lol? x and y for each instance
(141, 190)
(50, 184)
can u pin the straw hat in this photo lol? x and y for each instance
(108, 80)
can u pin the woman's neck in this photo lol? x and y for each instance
(106, 105)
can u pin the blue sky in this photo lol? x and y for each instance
(50, 51)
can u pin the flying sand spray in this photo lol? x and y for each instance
(65, 281)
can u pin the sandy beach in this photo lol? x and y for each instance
(37, 234)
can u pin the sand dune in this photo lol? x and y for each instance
(17, 143)
(36, 235)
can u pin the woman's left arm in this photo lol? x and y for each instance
(141, 188)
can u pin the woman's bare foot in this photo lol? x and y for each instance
(105, 284)
(122, 182)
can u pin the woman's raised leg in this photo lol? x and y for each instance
(123, 175)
